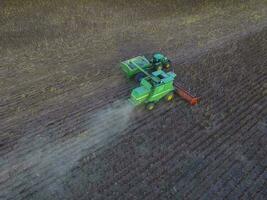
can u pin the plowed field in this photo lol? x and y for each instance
(68, 132)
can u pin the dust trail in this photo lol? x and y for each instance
(47, 159)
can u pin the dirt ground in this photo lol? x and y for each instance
(67, 131)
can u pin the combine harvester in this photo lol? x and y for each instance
(156, 81)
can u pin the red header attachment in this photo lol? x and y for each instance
(185, 95)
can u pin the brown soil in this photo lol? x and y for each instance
(67, 131)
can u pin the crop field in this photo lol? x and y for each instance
(67, 130)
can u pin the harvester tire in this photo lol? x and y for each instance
(169, 97)
(159, 68)
(150, 106)
(167, 66)
(138, 77)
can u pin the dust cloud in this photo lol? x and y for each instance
(37, 160)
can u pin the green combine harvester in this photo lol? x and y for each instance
(155, 84)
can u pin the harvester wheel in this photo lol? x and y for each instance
(150, 106)
(138, 77)
(167, 66)
(159, 68)
(169, 97)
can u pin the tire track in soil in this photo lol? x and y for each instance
(161, 165)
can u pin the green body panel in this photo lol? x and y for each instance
(151, 90)
(130, 67)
